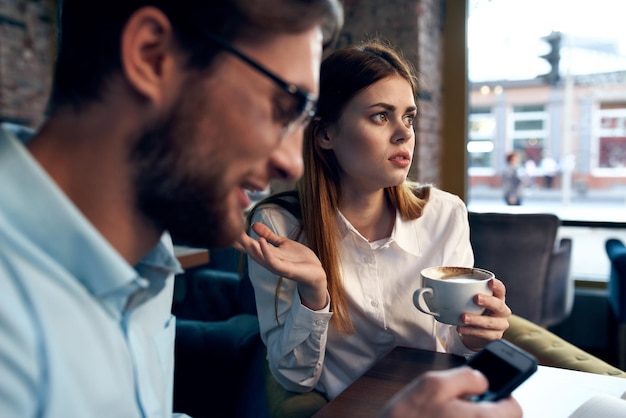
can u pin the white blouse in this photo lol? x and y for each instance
(305, 352)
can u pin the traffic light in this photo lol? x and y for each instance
(553, 57)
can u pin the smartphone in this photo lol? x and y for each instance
(505, 365)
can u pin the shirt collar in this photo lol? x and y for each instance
(404, 233)
(37, 207)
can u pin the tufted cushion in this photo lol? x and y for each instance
(285, 404)
(551, 350)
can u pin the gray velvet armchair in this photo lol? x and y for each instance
(522, 250)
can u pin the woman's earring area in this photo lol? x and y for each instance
(322, 137)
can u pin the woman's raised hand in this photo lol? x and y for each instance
(290, 259)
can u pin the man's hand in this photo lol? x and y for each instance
(442, 394)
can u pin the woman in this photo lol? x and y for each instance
(329, 311)
(512, 184)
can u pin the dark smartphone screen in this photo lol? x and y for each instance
(505, 366)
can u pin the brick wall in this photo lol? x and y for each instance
(430, 95)
(25, 60)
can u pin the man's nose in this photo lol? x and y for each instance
(286, 162)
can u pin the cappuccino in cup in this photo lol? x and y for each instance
(448, 292)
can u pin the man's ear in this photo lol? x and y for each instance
(321, 135)
(147, 53)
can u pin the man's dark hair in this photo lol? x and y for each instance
(90, 34)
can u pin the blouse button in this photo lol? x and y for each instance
(374, 304)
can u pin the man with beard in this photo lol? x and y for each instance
(162, 113)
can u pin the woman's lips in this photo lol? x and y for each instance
(401, 159)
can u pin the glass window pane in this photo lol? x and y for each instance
(571, 134)
(528, 108)
(527, 125)
(613, 152)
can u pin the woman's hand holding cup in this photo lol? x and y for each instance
(470, 298)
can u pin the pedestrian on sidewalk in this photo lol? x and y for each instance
(549, 168)
(512, 184)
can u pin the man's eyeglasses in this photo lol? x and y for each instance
(305, 102)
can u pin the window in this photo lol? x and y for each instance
(612, 136)
(578, 123)
(529, 131)
(480, 144)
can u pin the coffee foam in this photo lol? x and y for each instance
(456, 274)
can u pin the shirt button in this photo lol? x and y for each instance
(319, 322)
(368, 259)
(374, 304)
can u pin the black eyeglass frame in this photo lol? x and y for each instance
(306, 102)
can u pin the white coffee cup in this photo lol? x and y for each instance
(448, 292)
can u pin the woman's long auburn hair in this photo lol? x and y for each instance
(344, 74)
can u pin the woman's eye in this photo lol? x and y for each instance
(380, 117)
(409, 120)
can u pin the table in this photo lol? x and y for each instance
(367, 395)
(191, 257)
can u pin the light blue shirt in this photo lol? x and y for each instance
(82, 333)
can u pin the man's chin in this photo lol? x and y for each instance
(208, 240)
(217, 229)
(237, 222)
(227, 232)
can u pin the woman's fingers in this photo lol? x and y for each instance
(284, 257)
(263, 231)
(498, 288)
